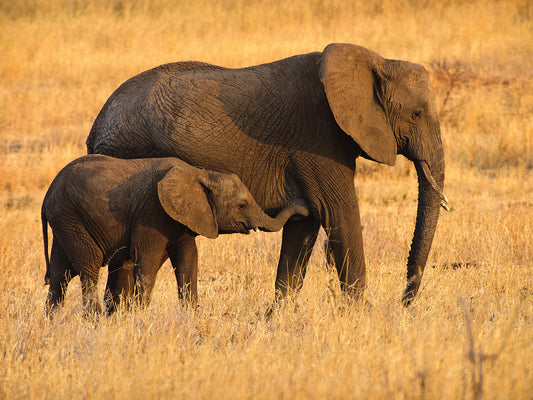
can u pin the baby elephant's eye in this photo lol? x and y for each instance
(243, 205)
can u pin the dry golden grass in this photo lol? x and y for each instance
(468, 335)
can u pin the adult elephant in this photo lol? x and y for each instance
(291, 129)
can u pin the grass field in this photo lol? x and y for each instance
(468, 335)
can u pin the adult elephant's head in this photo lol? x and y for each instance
(387, 107)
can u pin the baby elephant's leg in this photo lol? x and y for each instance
(119, 287)
(60, 276)
(144, 274)
(184, 258)
(89, 289)
(87, 258)
(148, 254)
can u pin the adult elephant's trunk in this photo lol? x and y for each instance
(299, 207)
(430, 199)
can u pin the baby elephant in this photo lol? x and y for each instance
(101, 207)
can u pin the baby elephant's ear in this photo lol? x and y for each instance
(185, 199)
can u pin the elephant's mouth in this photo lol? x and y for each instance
(429, 176)
(239, 227)
(246, 228)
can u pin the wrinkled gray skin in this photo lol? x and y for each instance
(292, 128)
(102, 208)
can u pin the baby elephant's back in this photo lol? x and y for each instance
(98, 186)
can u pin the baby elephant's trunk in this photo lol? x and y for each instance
(299, 207)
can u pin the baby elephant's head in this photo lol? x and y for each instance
(210, 203)
(234, 207)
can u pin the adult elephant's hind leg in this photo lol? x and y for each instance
(299, 238)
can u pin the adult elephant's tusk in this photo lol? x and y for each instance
(431, 180)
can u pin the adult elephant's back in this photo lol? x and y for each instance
(128, 111)
(249, 121)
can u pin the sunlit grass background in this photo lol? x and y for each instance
(468, 335)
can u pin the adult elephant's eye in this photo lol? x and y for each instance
(417, 114)
(243, 205)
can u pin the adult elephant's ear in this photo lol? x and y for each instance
(186, 200)
(349, 75)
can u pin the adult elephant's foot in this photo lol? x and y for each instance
(278, 304)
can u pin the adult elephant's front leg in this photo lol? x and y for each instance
(345, 244)
(299, 238)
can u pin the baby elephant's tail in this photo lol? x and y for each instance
(45, 239)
